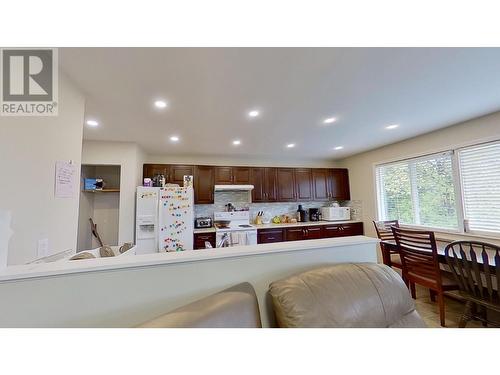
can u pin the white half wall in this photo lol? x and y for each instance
(29, 149)
(126, 297)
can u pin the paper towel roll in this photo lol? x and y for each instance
(5, 234)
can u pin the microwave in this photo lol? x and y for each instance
(335, 213)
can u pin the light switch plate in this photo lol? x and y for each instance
(43, 248)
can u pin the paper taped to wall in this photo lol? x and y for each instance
(65, 183)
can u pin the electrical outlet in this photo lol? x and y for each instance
(43, 248)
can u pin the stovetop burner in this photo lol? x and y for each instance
(245, 226)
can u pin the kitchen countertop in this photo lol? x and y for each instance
(285, 225)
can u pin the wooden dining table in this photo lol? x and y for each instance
(392, 246)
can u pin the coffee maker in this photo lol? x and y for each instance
(314, 214)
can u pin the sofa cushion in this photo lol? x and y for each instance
(344, 295)
(235, 307)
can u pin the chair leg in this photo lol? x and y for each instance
(440, 298)
(466, 315)
(413, 291)
(432, 295)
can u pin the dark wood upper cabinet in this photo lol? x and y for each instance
(241, 175)
(204, 181)
(303, 178)
(257, 179)
(321, 184)
(223, 175)
(270, 184)
(151, 170)
(264, 181)
(339, 184)
(177, 173)
(286, 185)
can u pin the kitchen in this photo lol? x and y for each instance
(240, 205)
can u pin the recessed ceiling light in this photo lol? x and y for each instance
(253, 113)
(338, 148)
(236, 142)
(329, 120)
(290, 145)
(160, 104)
(92, 123)
(393, 126)
(174, 138)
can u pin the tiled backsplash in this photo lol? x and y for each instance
(242, 198)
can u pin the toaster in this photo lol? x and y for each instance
(203, 222)
(335, 213)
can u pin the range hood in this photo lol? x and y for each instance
(233, 187)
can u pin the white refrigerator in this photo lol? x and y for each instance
(164, 219)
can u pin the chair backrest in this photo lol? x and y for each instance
(476, 267)
(418, 252)
(383, 229)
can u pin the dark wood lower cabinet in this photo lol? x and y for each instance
(201, 238)
(270, 236)
(342, 230)
(311, 232)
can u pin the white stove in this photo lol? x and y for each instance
(239, 232)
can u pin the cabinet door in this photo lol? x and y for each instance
(201, 238)
(151, 170)
(271, 185)
(352, 229)
(320, 181)
(313, 232)
(303, 178)
(342, 230)
(331, 230)
(241, 175)
(339, 184)
(204, 184)
(270, 235)
(257, 179)
(295, 234)
(286, 185)
(223, 175)
(177, 173)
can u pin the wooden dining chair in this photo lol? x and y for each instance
(390, 256)
(476, 268)
(420, 261)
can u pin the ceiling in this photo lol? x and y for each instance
(211, 90)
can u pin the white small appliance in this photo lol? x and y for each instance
(239, 232)
(335, 213)
(164, 219)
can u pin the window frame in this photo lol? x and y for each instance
(479, 233)
(458, 203)
(458, 189)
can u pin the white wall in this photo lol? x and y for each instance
(29, 149)
(130, 158)
(361, 166)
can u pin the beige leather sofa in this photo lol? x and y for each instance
(345, 295)
(236, 307)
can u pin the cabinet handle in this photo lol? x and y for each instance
(270, 238)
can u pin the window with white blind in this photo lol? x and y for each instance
(419, 191)
(480, 181)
